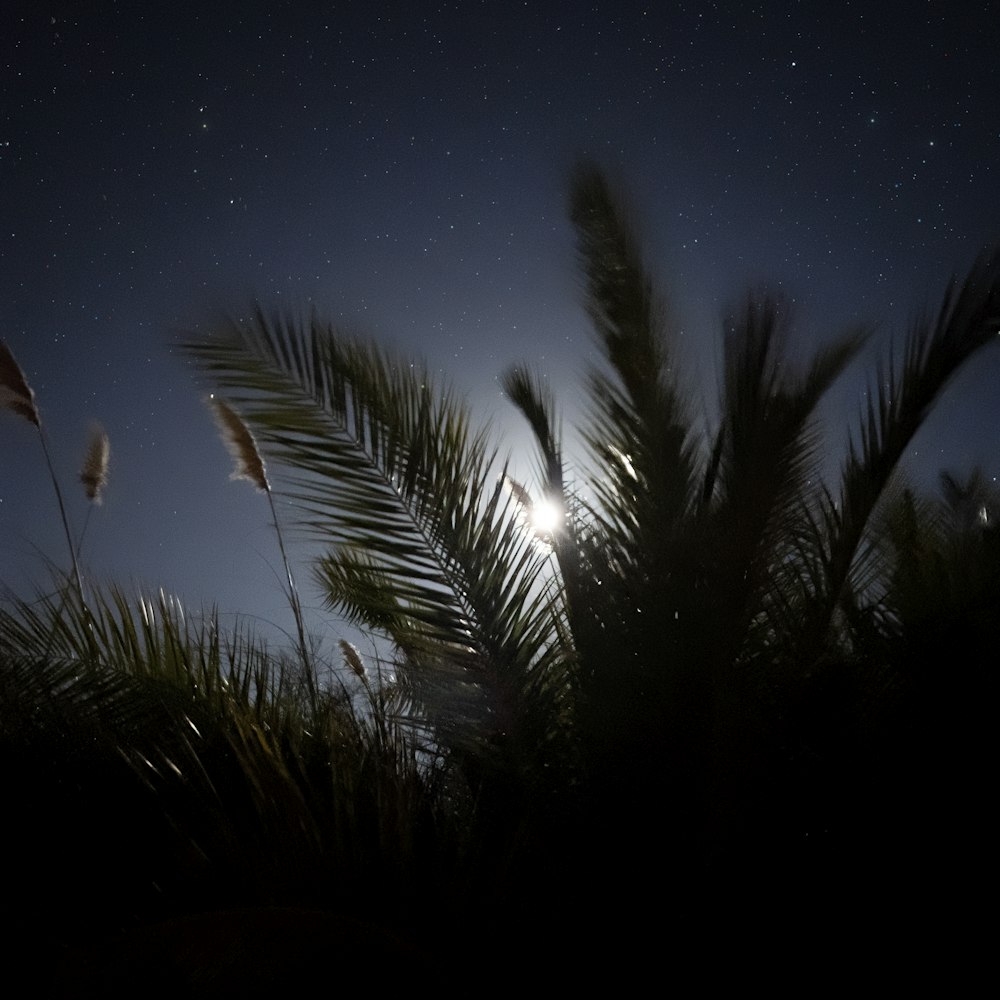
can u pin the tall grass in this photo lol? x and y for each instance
(18, 397)
(250, 466)
(166, 764)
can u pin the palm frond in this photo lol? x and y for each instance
(534, 399)
(764, 455)
(423, 544)
(899, 404)
(638, 411)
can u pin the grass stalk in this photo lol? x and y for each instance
(18, 397)
(250, 466)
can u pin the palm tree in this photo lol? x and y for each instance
(655, 646)
(426, 548)
(710, 656)
(713, 591)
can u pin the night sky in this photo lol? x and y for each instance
(403, 167)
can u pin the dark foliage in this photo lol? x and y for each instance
(719, 689)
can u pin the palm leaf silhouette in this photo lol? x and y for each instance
(424, 545)
(901, 400)
(715, 654)
(703, 576)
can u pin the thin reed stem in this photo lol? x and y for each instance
(77, 578)
(296, 605)
(240, 442)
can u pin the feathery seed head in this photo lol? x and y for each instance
(94, 474)
(241, 444)
(521, 495)
(15, 393)
(352, 658)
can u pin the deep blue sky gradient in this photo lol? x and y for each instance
(403, 168)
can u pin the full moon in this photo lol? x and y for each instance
(546, 516)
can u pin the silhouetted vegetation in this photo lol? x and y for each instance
(715, 687)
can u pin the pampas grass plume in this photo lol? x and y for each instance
(241, 444)
(15, 393)
(521, 495)
(353, 658)
(249, 465)
(17, 396)
(94, 474)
